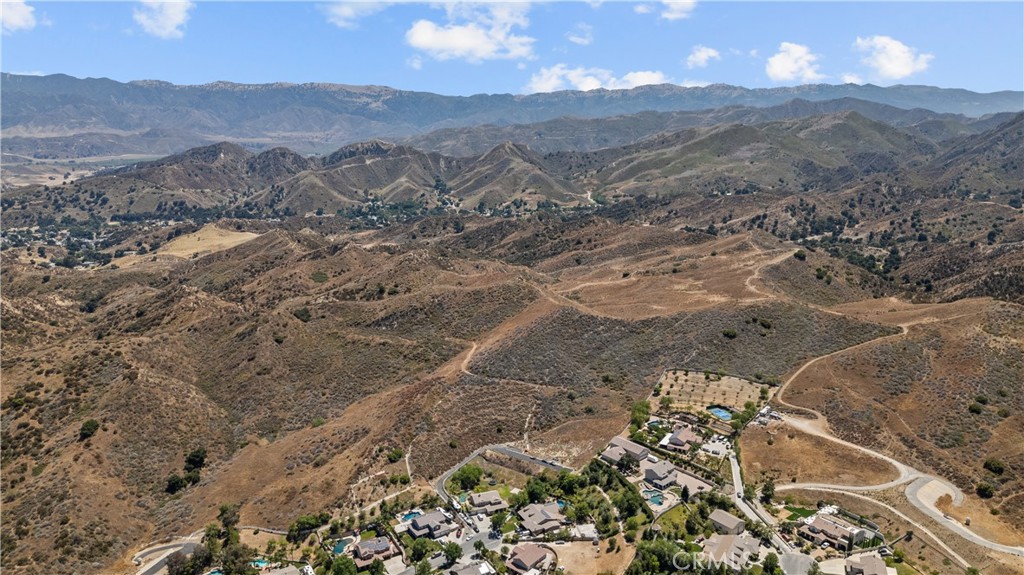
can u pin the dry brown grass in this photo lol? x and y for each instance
(791, 456)
(692, 391)
(584, 558)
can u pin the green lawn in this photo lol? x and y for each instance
(675, 516)
(368, 534)
(509, 525)
(800, 512)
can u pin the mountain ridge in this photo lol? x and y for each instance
(319, 116)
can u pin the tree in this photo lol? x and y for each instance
(985, 491)
(770, 566)
(814, 569)
(627, 463)
(536, 490)
(237, 559)
(768, 490)
(195, 460)
(424, 568)
(175, 483)
(995, 466)
(228, 516)
(468, 476)
(211, 538)
(88, 429)
(498, 520)
(377, 567)
(685, 495)
(479, 546)
(343, 565)
(421, 548)
(178, 564)
(640, 413)
(452, 552)
(665, 402)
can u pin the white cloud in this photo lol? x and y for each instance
(754, 53)
(850, 78)
(474, 33)
(561, 77)
(677, 9)
(890, 58)
(700, 56)
(29, 73)
(415, 62)
(793, 62)
(582, 34)
(16, 15)
(643, 9)
(347, 14)
(163, 19)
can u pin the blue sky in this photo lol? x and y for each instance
(522, 47)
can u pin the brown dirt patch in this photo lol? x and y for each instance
(791, 456)
(584, 558)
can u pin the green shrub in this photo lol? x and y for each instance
(302, 314)
(985, 491)
(88, 429)
(729, 333)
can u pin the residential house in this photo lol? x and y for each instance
(528, 559)
(735, 551)
(366, 551)
(539, 518)
(683, 438)
(727, 523)
(868, 564)
(619, 447)
(488, 502)
(307, 570)
(481, 568)
(661, 474)
(433, 525)
(831, 530)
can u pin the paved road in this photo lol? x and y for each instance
(154, 567)
(907, 474)
(912, 495)
(747, 509)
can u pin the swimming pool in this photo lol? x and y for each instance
(721, 413)
(340, 545)
(561, 504)
(260, 563)
(655, 497)
(411, 515)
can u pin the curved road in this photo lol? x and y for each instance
(919, 479)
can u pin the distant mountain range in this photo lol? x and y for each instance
(824, 153)
(59, 116)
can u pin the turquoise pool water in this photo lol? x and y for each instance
(654, 496)
(561, 504)
(340, 545)
(411, 515)
(721, 413)
(260, 563)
